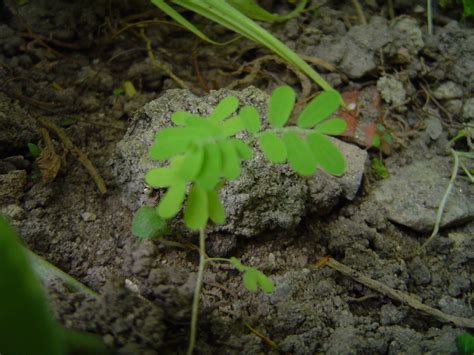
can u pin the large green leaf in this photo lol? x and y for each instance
(465, 344)
(196, 210)
(171, 202)
(250, 119)
(273, 147)
(227, 16)
(280, 106)
(332, 127)
(211, 167)
(147, 224)
(216, 210)
(226, 107)
(251, 9)
(180, 118)
(320, 108)
(230, 160)
(300, 156)
(326, 154)
(26, 324)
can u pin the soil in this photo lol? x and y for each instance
(66, 62)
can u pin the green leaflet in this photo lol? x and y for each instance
(280, 106)
(216, 210)
(160, 177)
(242, 149)
(326, 154)
(273, 147)
(232, 126)
(250, 119)
(226, 107)
(192, 163)
(147, 224)
(237, 264)
(300, 157)
(230, 160)
(171, 202)
(211, 167)
(196, 210)
(331, 127)
(321, 107)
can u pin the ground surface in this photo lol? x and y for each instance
(63, 62)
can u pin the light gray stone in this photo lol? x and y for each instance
(265, 197)
(448, 90)
(412, 195)
(392, 90)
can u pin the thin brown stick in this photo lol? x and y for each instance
(78, 154)
(398, 295)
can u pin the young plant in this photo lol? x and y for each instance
(204, 152)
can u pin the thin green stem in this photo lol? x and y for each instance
(442, 205)
(197, 290)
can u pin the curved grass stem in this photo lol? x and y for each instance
(197, 290)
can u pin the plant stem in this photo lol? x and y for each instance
(197, 290)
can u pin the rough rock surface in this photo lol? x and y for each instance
(412, 195)
(265, 197)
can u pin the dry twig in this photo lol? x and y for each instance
(78, 154)
(398, 295)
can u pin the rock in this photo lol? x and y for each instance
(88, 216)
(468, 110)
(448, 90)
(406, 33)
(412, 195)
(265, 197)
(390, 314)
(455, 307)
(419, 272)
(458, 284)
(433, 127)
(392, 90)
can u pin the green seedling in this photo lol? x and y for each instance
(204, 152)
(381, 135)
(379, 168)
(237, 15)
(34, 150)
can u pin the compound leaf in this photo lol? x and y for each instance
(332, 127)
(216, 210)
(211, 167)
(147, 224)
(192, 163)
(160, 177)
(230, 160)
(243, 150)
(280, 106)
(232, 126)
(326, 154)
(273, 147)
(224, 109)
(250, 119)
(300, 157)
(171, 202)
(319, 108)
(196, 210)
